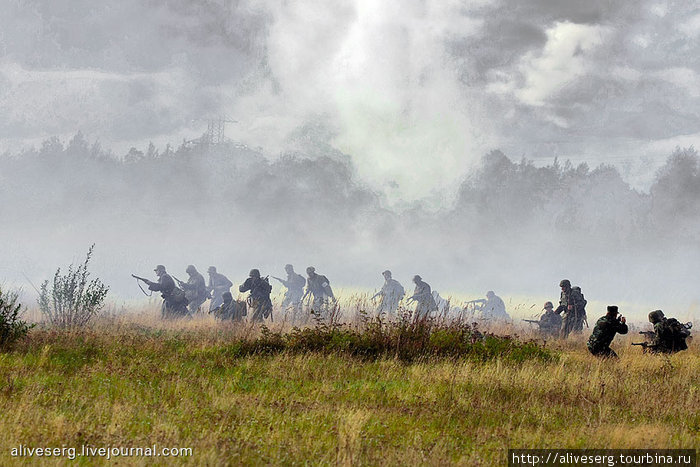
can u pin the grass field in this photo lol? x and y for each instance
(125, 383)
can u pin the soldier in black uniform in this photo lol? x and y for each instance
(604, 333)
(195, 289)
(259, 298)
(174, 300)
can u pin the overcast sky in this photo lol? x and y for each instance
(414, 91)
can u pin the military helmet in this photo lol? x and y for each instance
(310, 270)
(254, 273)
(386, 273)
(565, 283)
(211, 269)
(490, 293)
(159, 268)
(191, 269)
(227, 296)
(656, 316)
(417, 278)
(288, 267)
(548, 305)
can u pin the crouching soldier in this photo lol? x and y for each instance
(604, 333)
(230, 309)
(669, 333)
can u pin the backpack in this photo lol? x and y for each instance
(679, 330)
(178, 297)
(583, 299)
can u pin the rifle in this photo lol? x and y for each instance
(140, 278)
(532, 321)
(645, 346)
(146, 281)
(179, 282)
(648, 334)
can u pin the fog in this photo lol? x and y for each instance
(482, 145)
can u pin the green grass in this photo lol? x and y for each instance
(205, 388)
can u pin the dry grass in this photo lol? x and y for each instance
(136, 382)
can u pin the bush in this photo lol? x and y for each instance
(71, 301)
(12, 328)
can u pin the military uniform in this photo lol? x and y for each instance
(218, 285)
(195, 290)
(389, 297)
(295, 290)
(259, 299)
(494, 308)
(174, 301)
(550, 323)
(319, 286)
(604, 333)
(572, 319)
(425, 303)
(669, 334)
(230, 309)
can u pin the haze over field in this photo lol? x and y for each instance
(372, 138)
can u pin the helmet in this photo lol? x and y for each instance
(310, 270)
(417, 278)
(211, 269)
(159, 268)
(227, 296)
(386, 273)
(191, 269)
(288, 267)
(254, 273)
(490, 293)
(548, 305)
(656, 316)
(565, 283)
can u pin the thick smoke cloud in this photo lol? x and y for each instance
(415, 92)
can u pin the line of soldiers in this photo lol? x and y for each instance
(669, 335)
(188, 298)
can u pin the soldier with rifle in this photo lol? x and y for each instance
(549, 323)
(669, 334)
(390, 295)
(195, 289)
(218, 285)
(573, 306)
(604, 333)
(295, 288)
(422, 295)
(174, 300)
(259, 298)
(319, 287)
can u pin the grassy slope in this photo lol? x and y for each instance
(184, 389)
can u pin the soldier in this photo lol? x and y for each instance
(230, 309)
(422, 295)
(550, 322)
(259, 298)
(604, 333)
(572, 304)
(218, 285)
(390, 295)
(318, 286)
(295, 288)
(494, 308)
(195, 289)
(174, 300)
(669, 334)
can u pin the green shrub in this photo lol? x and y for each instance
(72, 300)
(12, 328)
